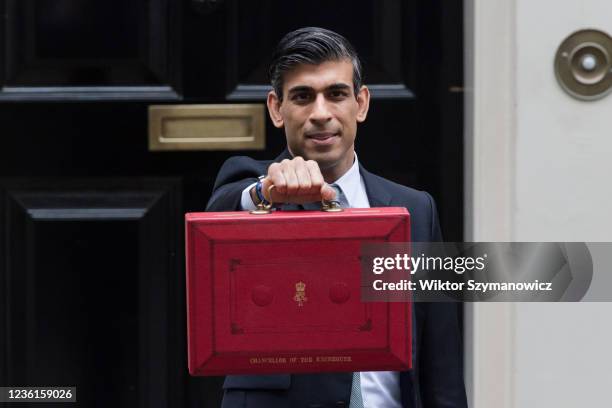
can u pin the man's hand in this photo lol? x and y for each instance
(296, 181)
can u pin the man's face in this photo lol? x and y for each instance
(320, 112)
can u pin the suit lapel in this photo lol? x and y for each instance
(377, 195)
(284, 155)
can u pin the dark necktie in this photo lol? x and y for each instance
(356, 397)
(340, 198)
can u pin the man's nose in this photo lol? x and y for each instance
(320, 110)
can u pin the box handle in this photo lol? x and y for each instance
(263, 209)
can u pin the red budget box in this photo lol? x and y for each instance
(280, 293)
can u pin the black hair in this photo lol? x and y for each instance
(311, 45)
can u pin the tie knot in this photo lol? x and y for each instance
(340, 196)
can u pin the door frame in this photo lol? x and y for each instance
(489, 153)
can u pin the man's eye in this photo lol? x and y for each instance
(338, 94)
(300, 97)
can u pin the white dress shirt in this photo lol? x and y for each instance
(378, 388)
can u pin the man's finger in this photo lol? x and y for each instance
(316, 178)
(303, 175)
(275, 177)
(328, 193)
(303, 199)
(292, 180)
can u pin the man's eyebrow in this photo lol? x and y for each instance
(338, 87)
(300, 88)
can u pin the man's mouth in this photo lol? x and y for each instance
(322, 137)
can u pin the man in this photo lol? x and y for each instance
(318, 98)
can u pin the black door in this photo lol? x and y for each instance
(91, 213)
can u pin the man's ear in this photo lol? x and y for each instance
(274, 105)
(363, 102)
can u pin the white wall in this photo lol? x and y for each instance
(538, 168)
(563, 146)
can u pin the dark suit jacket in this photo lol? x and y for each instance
(437, 378)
